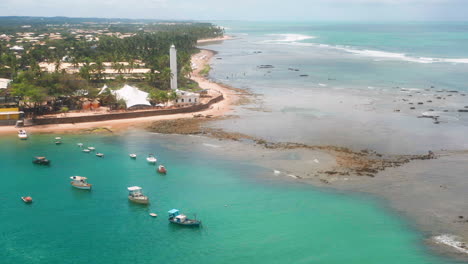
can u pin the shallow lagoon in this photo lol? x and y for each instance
(247, 217)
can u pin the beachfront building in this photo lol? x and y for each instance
(10, 116)
(185, 98)
(109, 70)
(173, 66)
(4, 83)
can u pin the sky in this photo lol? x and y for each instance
(290, 10)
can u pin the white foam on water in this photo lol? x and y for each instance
(211, 145)
(393, 55)
(452, 241)
(290, 39)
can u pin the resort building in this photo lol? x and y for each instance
(109, 70)
(185, 98)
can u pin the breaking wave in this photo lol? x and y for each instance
(297, 40)
(384, 55)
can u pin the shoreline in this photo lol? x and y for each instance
(216, 110)
(387, 184)
(203, 41)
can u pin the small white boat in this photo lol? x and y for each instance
(91, 148)
(22, 134)
(151, 158)
(80, 145)
(58, 138)
(26, 199)
(100, 154)
(133, 156)
(135, 195)
(86, 150)
(162, 169)
(80, 183)
(153, 214)
(58, 142)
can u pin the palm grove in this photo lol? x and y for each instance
(147, 46)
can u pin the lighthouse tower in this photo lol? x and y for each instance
(173, 62)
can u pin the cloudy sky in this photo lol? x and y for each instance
(243, 9)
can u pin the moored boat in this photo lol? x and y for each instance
(136, 195)
(133, 156)
(27, 199)
(91, 148)
(101, 155)
(162, 169)
(177, 218)
(151, 158)
(41, 161)
(22, 134)
(58, 142)
(80, 145)
(86, 150)
(80, 183)
(58, 138)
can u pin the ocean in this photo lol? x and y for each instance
(349, 84)
(355, 72)
(248, 216)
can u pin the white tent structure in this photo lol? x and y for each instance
(131, 95)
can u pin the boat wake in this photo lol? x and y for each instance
(451, 241)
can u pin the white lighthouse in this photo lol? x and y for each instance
(173, 62)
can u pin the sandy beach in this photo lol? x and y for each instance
(218, 109)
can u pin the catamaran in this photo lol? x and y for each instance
(135, 195)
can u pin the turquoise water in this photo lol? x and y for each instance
(265, 221)
(362, 65)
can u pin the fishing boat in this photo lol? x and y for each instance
(177, 218)
(86, 150)
(135, 195)
(133, 156)
(80, 183)
(26, 199)
(22, 134)
(151, 158)
(91, 148)
(162, 169)
(41, 161)
(99, 154)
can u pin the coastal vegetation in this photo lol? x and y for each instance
(56, 62)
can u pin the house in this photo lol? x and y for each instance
(185, 98)
(4, 83)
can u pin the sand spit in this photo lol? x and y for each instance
(348, 162)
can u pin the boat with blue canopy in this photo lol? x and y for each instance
(177, 218)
